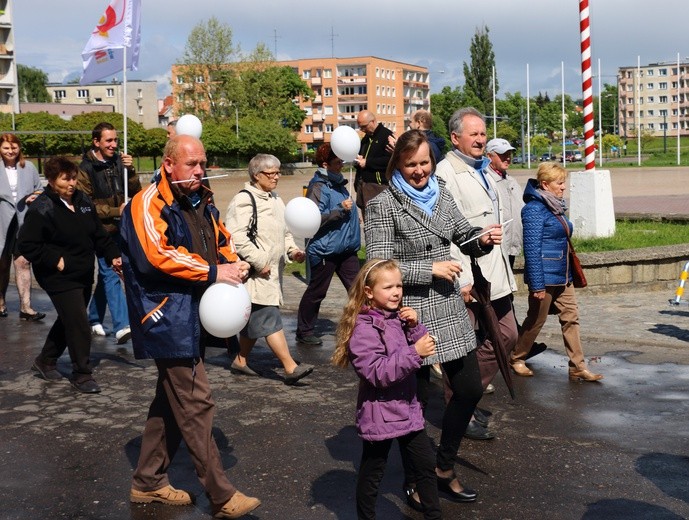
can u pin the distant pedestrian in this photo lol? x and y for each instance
(372, 161)
(386, 345)
(19, 187)
(422, 120)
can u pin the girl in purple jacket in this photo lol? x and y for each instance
(386, 344)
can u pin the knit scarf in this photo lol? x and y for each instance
(425, 198)
(555, 204)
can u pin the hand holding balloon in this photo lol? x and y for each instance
(225, 309)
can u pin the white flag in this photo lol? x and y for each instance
(117, 31)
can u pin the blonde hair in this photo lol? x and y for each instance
(549, 172)
(367, 277)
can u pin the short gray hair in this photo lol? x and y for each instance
(457, 120)
(262, 162)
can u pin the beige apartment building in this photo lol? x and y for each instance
(344, 86)
(142, 98)
(9, 97)
(653, 98)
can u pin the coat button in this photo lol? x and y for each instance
(429, 247)
(445, 242)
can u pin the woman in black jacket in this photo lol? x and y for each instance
(60, 236)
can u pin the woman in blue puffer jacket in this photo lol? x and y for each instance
(547, 270)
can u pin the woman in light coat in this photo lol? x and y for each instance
(19, 187)
(264, 242)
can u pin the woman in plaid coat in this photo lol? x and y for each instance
(414, 221)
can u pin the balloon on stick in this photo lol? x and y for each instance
(302, 217)
(225, 309)
(345, 143)
(189, 124)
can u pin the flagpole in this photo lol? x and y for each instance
(124, 122)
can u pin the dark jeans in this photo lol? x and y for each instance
(71, 331)
(417, 448)
(464, 377)
(182, 409)
(346, 266)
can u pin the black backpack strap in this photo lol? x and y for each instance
(252, 233)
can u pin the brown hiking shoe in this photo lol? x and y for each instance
(164, 495)
(237, 506)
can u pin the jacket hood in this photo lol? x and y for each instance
(531, 191)
(437, 140)
(336, 179)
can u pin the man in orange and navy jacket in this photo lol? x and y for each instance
(174, 247)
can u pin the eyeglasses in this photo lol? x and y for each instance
(271, 175)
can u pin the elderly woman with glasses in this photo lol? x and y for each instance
(256, 220)
(334, 247)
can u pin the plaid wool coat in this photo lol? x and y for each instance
(397, 228)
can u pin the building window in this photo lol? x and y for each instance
(328, 110)
(662, 85)
(651, 113)
(663, 99)
(308, 129)
(306, 74)
(82, 93)
(651, 126)
(141, 111)
(662, 72)
(377, 90)
(663, 113)
(97, 100)
(180, 80)
(649, 86)
(649, 72)
(674, 84)
(651, 99)
(328, 128)
(328, 73)
(377, 72)
(328, 92)
(109, 92)
(60, 94)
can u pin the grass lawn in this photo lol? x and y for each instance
(628, 235)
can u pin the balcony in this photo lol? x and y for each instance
(351, 80)
(317, 136)
(318, 100)
(316, 82)
(351, 98)
(317, 118)
(346, 117)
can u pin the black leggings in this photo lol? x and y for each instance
(416, 448)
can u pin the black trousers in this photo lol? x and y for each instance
(465, 381)
(346, 266)
(70, 331)
(417, 449)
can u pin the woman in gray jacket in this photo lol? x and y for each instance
(19, 186)
(256, 220)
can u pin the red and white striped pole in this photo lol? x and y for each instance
(587, 85)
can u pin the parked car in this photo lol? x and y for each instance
(570, 156)
(547, 157)
(577, 155)
(518, 159)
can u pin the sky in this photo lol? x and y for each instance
(50, 35)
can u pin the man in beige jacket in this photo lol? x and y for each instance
(479, 200)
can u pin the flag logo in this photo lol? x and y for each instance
(108, 21)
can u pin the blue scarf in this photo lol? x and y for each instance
(425, 198)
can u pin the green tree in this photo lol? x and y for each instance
(42, 143)
(540, 144)
(478, 75)
(610, 140)
(208, 57)
(31, 83)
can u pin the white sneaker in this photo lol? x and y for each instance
(123, 335)
(97, 330)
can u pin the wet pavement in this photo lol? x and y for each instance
(618, 449)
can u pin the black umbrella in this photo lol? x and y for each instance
(489, 324)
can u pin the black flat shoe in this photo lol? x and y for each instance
(411, 501)
(3, 313)
(477, 432)
(464, 496)
(36, 316)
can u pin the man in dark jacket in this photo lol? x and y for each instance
(373, 158)
(102, 179)
(174, 246)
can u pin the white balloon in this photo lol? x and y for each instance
(345, 143)
(225, 309)
(302, 217)
(189, 124)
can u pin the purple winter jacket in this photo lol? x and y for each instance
(382, 353)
